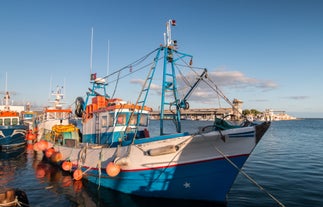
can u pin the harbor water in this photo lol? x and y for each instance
(287, 165)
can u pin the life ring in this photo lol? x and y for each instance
(146, 132)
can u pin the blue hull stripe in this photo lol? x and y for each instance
(208, 180)
(12, 140)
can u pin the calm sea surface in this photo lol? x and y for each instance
(287, 163)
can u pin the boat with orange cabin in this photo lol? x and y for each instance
(118, 152)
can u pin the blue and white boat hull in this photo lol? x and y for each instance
(12, 136)
(179, 166)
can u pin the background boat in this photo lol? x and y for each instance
(54, 120)
(12, 128)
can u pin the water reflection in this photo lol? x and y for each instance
(10, 160)
(106, 197)
(47, 185)
(84, 193)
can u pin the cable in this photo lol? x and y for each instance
(248, 177)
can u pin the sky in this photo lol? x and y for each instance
(267, 53)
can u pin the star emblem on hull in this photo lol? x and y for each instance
(187, 185)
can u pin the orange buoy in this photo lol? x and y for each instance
(43, 145)
(50, 145)
(49, 152)
(36, 147)
(56, 157)
(30, 135)
(67, 165)
(78, 174)
(112, 169)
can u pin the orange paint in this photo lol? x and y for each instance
(112, 169)
(56, 157)
(78, 174)
(67, 165)
(42, 145)
(49, 152)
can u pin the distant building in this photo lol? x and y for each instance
(205, 113)
(237, 108)
(271, 115)
(235, 112)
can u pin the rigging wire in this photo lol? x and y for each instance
(247, 176)
(134, 71)
(116, 85)
(135, 63)
(209, 82)
(183, 77)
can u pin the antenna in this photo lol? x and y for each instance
(108, 58)
(7, 97)
(50, 86)
(91, 51)
(64, 92)
(6, 83)
(168, 34)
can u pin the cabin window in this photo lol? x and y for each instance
(121, 119)
(14, 121)
(28, 116)
(104, 120)
(1, 121)
(143, 120)
(7, 121)
(133, 120)
(110, 119)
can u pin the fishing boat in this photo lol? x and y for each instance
(29, 116)
(119, 151)
(56, 119)
(12, 128)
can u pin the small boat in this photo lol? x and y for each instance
(29, 116)
(12, 128)
(119, 151)
(55, 119)
(13, 197)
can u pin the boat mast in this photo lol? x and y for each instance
(7, 96)
(91, 51)
(108, 57)
(169, 83)
(97, 83)
(169, 79)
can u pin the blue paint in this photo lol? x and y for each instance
(9, 139)
(207, 180)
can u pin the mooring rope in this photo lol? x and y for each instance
(99, 168)
(11, 203)
(249, 178)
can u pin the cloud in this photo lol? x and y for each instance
(297, 97)
(239, 80)
(203, 94)
(141, 82)
(260, 100)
